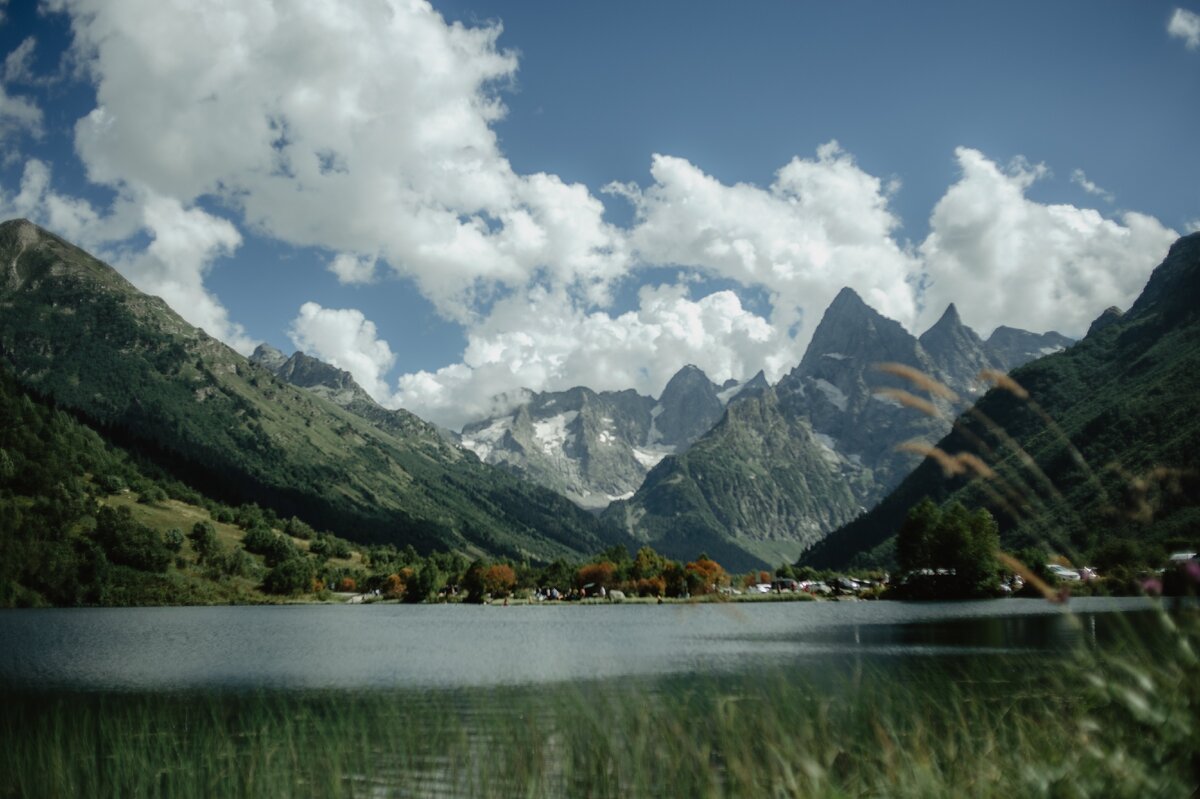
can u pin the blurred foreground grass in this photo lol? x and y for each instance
(1122, 720)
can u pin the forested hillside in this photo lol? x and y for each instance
(1094, 447)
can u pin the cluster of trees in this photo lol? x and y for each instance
(646, 573)
(949, 552)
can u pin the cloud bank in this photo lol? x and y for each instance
(367, 130)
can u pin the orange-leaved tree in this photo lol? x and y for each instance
(498, 580)
(598, 574)
(704, 576)
(393, 586)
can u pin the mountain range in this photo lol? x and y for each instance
(788, 463)
(76, 333)
(752, 473)
(596, 447)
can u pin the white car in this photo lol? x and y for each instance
(1063, 573)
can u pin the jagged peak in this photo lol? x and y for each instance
(949, 317)
(268, 357)
(949, 326)
(1175, 283)
(759, 381)
(23, 228)
(689, 375)
(847, 298)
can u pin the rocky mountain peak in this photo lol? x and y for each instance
(686, 379)
(755, 384)
(949, 321)
(268, 357)
(1174, 285)
(957, 352)
(689, 407)
(307, 372)
(1111, 316)
(853, 335)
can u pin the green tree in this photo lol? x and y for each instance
(959, 546)
(130, 543)
(425, 583)
(647, 564)
(914, 547)
(174, 539)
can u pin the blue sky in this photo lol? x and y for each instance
(461, 200)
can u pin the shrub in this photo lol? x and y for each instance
(174, 539)
(290, 576)
(130, 543)
(204, 541)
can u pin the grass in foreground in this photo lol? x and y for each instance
(1117, 723)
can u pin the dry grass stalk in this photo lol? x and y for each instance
(1001, 380)
(918, 379)
(909, 400)
(950, 464)
(976, 464)
(1024, 457)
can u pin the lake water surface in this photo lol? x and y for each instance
(379, 647)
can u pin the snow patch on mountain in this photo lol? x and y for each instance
(650, 456)
(832, 393)
(482, 441)
(552, 433)
(829, 449)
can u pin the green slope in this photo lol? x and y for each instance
(1126, 398)
(77, 333)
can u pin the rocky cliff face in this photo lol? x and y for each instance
(596, 447)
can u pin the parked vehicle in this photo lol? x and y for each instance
(1063, 572)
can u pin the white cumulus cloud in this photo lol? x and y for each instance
(351, 268)
(822, 225)
(348, 340)
(1185, 25)
(541, 341)
(359, 127)
(1006, 259)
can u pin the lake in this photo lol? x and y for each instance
(369, 647)
(723, 700)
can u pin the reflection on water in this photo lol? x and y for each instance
(393, 646)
